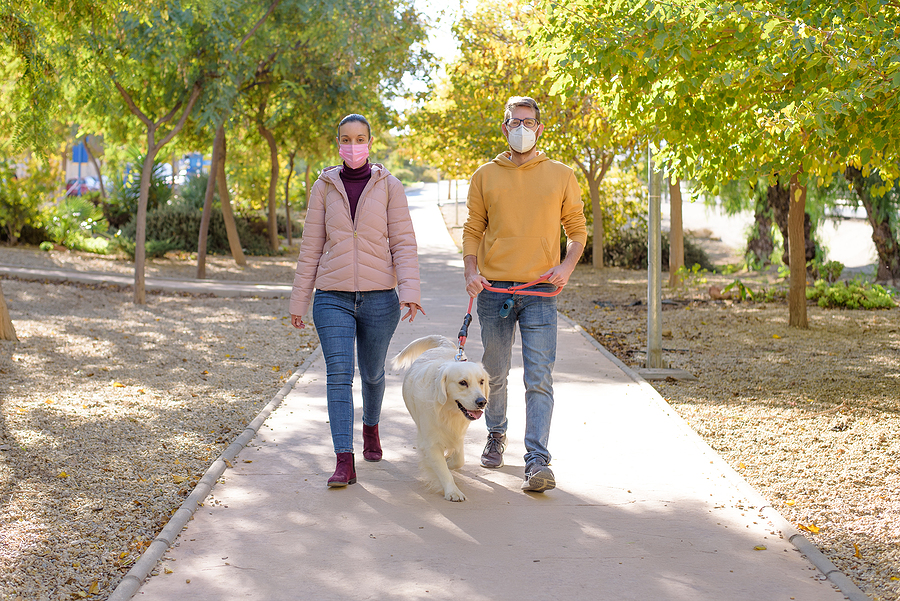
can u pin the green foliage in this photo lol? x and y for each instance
(46, 246)
(192, 194)
(74, 220)
(122, 204)
(154, 249)
(850, 295)
(629, 250)
(21, 198)
(830, 271)
(179, 226)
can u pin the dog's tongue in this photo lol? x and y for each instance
(476, 414)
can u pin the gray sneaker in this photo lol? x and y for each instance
(492, 456)
(538, 477)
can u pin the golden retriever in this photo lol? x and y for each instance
(443, 396)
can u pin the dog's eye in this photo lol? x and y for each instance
(463, 383)
(481, 382)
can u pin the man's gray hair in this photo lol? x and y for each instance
(521, 101)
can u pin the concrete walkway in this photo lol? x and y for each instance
(644, 509)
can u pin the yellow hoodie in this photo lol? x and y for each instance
(515, 215)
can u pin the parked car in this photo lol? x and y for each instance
(82, 186)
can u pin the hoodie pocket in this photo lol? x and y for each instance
(520, 253)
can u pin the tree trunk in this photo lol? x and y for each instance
(140, 250)
(273, 176)
(96, 165)
(779, 199)
(599, 232)
(7, 329)
(676, 233)
(234, 243)
(882, 236)
(797, 246)
(760, 244)
(287, 199)
(208, 200)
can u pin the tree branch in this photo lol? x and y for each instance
(195, 94)
(131, 105)
(258, 24)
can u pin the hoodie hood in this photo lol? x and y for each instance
(503, 159)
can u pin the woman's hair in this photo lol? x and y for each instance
(357, 118)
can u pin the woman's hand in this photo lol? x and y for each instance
(297, 321)
(412, 309)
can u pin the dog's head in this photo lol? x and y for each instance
(466, 384)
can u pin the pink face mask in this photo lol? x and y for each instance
(355, 155)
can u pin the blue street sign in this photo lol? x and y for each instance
(79, 154)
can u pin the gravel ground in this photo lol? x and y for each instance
(96, 454)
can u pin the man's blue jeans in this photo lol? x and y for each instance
(536, 316)
(370, 319)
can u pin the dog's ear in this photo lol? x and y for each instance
(442, 389)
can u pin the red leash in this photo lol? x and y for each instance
(520, 289)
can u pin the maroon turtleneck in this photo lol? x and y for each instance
(355, 181)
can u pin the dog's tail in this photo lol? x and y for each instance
(415, 348)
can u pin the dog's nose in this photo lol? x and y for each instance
(481, 402)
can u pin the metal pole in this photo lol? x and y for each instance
(654, 267)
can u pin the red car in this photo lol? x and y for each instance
(82, 186)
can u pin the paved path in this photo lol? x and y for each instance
(644, 509)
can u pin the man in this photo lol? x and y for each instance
(516, 205)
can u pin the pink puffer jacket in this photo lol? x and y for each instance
(377, 252)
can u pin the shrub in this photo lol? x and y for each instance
(74, 220)
(179, 226)
(122, 204)
(629, 250)
(193, 193)
(296, 227)
(850, 295)
(20, 200)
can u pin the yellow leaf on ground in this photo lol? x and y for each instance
(95, 588)
(776, 336)
(63, 475)
(118, 385)
(790, 502)
(168, 570)
(856, 553)
(741, 465)
(276, 368)
(178, 479)
(810, 528)
(759, 548)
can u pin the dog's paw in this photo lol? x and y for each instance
(454, 495)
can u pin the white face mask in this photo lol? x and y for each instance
(521, 139)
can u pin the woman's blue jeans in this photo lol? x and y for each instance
(370, 319)
(536, 316)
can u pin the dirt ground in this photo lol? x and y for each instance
(811, 418)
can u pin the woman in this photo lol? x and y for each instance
(359, 253)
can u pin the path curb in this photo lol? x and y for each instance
(135, 577)
(765, 509)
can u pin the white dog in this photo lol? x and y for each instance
(443, 396)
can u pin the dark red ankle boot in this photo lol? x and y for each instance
(345, 472)
(371, 443)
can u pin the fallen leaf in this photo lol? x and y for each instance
(63, 475)
(95, 588)
(811, 528)
(776, 336)
(856, 554)
(228, 463)
(168, 570)
(759, 548)
(276, 368)
(741, 465)
(118, 385)
(178, 479)
(790, 502)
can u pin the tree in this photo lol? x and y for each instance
(882, 213)
(743, 90)
(458, 128)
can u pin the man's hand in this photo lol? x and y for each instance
(475, 283)
(559, 275)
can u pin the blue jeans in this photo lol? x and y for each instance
(370, 319)
(536, 316)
